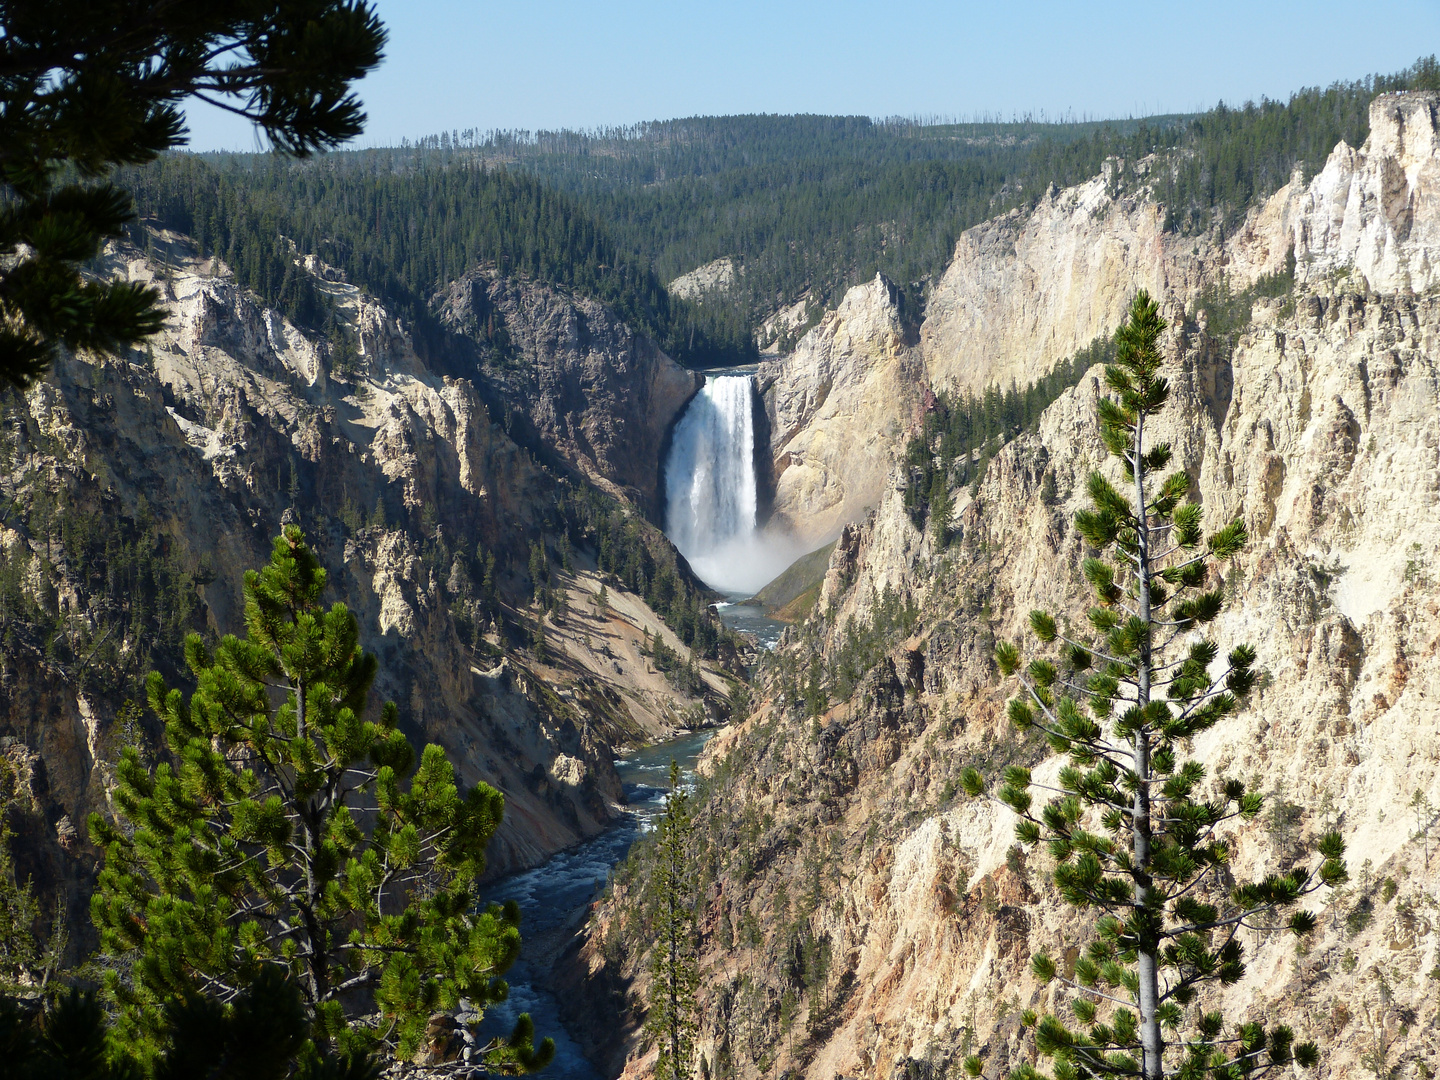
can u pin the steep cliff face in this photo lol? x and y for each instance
(860, 918)
(1023, 292)
(1027, 290)
(572, 378)
(137, 490)
(1375, 211)
(1031, 288)
(837, 407)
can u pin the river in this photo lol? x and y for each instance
(739, 614)
(713, 498)
(561, 888)
(552, 893)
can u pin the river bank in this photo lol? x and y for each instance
(555, 899)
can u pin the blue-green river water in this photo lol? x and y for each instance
(550, 895)
(552, 892)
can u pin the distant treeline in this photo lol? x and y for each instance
(815, 203)
(1220, 163)
(822, 203)
(404, 234)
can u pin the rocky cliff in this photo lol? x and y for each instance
(136, 491)
(1021, 293)
(716, 276)
(859, 917)
(1375, 211)
(572, 378)
(837, 408)
(1029, 289)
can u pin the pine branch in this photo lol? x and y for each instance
(1123, 1002)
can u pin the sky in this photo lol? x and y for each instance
(538, 64)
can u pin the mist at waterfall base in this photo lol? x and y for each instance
(711, 492)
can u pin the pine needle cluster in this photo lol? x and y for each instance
(86, 87)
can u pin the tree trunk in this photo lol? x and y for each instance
(318, 962)
(1152, 1047)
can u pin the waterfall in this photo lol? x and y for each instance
(711, 492)
(710, 474)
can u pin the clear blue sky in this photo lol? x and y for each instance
(457, 64)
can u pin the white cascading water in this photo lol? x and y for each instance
(710, 490)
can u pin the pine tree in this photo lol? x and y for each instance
(85, 87)
(673, 967)
(1134, 831)
(284, 835)
(29, 958)
(539, 570)
(261, 1035)
(940, 505)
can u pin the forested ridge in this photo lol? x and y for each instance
(813, 203)
(824, 202)
(806, 204)
(404, 234)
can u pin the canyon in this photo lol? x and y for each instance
(422, 491)
(858, 915)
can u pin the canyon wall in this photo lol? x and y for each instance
(861, 917)
(1022, 292)
(1029, 289)
(571, 378)
(177, 463)
(1375, 211)
(837, 408)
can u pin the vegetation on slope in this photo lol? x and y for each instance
(821, 203)
(961, 433)
(140, 583)
(798, 580)
(404, 234)
(959, 436)
(640, 558)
